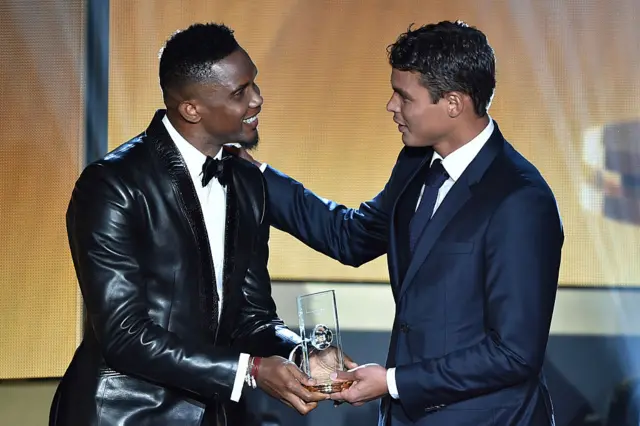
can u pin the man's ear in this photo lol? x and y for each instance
(189, 112)
(455, 103)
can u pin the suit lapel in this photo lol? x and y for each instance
(458, 196)
(417, 159)
(187, 200)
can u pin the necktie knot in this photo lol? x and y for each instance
(437, 174)
(214, 168)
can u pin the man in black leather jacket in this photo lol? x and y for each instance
(169, 242)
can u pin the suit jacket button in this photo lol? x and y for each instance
(404, 327)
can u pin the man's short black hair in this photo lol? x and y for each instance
(188, 55)
(450, 57)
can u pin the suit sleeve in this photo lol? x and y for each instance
(522, 256)
(259, 330)
(350, 236)
(103, 224)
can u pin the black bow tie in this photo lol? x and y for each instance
(214, 168)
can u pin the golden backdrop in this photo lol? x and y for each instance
(567, 98)
(41, 124)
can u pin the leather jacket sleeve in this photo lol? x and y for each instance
(102, 226)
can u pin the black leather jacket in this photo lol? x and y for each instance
(153, 352)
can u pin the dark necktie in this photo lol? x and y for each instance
(435, 178)
(214, 168)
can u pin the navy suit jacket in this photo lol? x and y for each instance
(474, 302)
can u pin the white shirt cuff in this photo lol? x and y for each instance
(391, 383)
(263, 167)
(238, 383)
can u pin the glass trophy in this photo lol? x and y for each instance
(321, 345)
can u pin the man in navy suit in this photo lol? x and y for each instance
(473, 238)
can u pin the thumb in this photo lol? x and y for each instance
(343, 376)
(301, 376)
(349, 363)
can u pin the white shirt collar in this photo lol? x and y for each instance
(192, 156)
(456, 162)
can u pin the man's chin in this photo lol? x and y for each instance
(407, 140)
(251, 144)
(412, 142)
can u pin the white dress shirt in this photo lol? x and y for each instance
(455, 164)
(213, 201)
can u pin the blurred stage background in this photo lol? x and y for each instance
(79, 77)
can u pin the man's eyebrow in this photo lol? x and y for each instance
(400, 91)
(241, 87)
(245, 85)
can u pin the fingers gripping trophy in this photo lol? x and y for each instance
(321, 341)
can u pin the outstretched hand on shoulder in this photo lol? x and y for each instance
(242, 153)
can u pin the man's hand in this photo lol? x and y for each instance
(322, 363)
(282, 380)
(242, 153)
(369, 383)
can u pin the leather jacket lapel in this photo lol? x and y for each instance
(230, 242)
(248, 209)
(187, 200)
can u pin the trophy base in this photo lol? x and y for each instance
(331, 387)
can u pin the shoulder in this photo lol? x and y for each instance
(131, 154)
(521, 187)
(119, 167)
(509, 171)
(408, 161)
(247, 174)
(522, 174)
(243, 167)
(409, 153)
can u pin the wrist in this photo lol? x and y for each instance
(255, 366)
(253, 369)
(392, 388)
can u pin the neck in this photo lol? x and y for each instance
(462, 134)
(192, 134)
